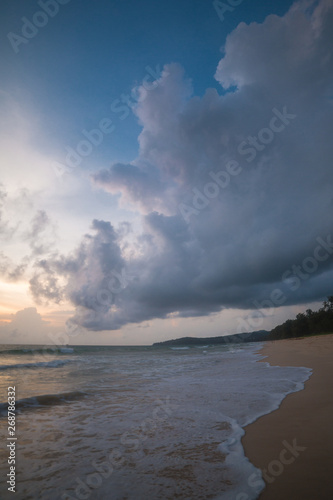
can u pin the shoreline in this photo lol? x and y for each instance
(293, 445)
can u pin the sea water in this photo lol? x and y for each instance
(137, 423)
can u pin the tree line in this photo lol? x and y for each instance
(308, 323)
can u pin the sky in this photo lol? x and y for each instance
(165, 169)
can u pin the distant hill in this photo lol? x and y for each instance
(258, 336)
(308, 323)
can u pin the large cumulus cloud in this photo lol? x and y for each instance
(265, 219)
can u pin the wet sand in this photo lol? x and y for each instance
(293, 445)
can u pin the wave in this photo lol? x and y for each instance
(38, 350)
(179, 348)
(41, 364)
(66, 350)
(43, 401)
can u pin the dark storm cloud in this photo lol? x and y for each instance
(262, 226)
(81, 275)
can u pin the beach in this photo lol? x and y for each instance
(293, 445)
(140, 422)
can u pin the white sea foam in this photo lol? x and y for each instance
(191, 448)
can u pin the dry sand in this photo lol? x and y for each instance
(305, 416)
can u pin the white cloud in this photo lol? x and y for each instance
(26, 326)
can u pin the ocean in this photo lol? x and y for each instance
(136, 423)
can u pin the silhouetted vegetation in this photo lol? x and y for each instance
(305, 324)
(308, 323)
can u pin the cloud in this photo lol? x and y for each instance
(152, 181)
(6, 230)
(41, 236)
(133, 183)
(10, 270)
(26, 325)
(81, 275)
(33, 238)
(274, 118)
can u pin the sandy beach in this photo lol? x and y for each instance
(293, 445)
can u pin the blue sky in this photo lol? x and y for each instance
(187, 92)
(92, 53)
